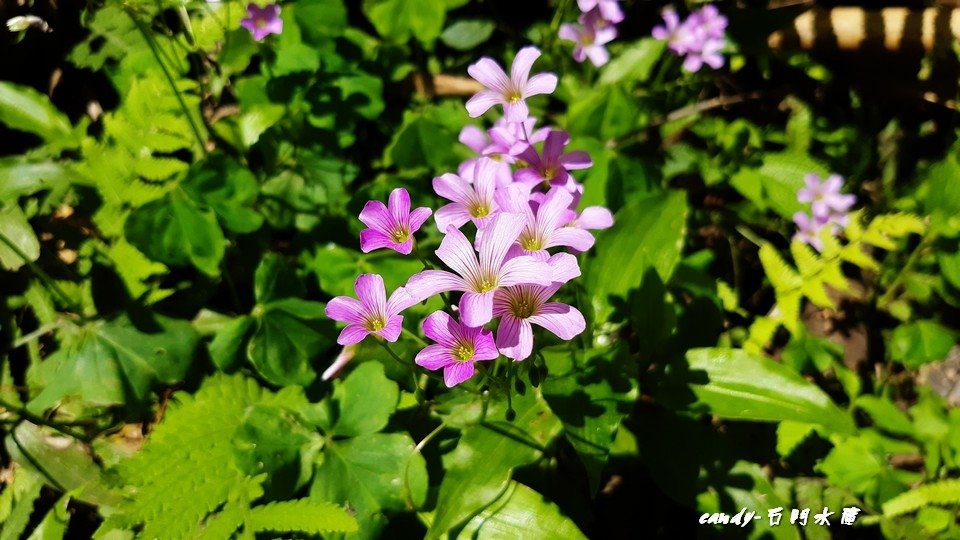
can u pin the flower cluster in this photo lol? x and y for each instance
(594, 29)
(829, 208)
(262, 21)
(699, 39)
(520, 199)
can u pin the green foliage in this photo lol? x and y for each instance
(945, 492)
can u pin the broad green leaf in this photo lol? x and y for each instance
(421, 142)
(270, 441)
(521, 512)
(227, 345)
(605, 114)
(635, 63)
(943, 191)
(289, 335)
(320, 20)
(886, 415)
(779, 178)
(399, 20)
(228, 188)
(16, 230)
(337, 267)
(743, 386)
(479, 469)
(648, 233)
(371, 474)
(292, 54)
(466, 34)
(790, 434)
(19, 176)
(860, 465)
(44, 451)
(275, 279)
(921, 342)
(365, 401)
(116, 362)
(746, 486)
(175, 230)
(24, 109)
(53, 526)
(591, 392)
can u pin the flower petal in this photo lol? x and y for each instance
(570, 32)
(541, 83)
(376, 216)
(520, 70)
(457, 253)
(452, 187)
(525, 269)
(572, 237)
(440, 327)
(371, 239)
(481, 102)
(434, 357)
(391, 332)
(345, 309)
(564, 321)
(515, 337)
(451, 215)
(497, 239)
(476, 309)
(516, 112)
(399, 205)
(564, 267)
(353, 333)
(417, 217)
(400, 300)
(432, 282)
(474, 138)
(457, 372)
(484, 347)
(595, 217)
(490, 74)
(576, 160)
(371, 292)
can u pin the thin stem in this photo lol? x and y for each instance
(41, 421)
(145, 32)
(44, 277)
(520, 439)
(416, 338)
(45, 329)
(904, 272)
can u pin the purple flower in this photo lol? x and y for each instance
(457, 347)
(391, 226)
(552, 165)
(590, 36)
(479, 280)
(510, 92)
(372, 314)
(472, 201)
(699, 38)
(608, 9)
(478, 141)
(825, 198)
(521, 306)
(262, 21)
(809, 229)
(544, 223)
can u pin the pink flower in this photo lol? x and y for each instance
(372, 314)
(521, 306)
(608, 9)
(457, 347)
(827, 202)
(699, 38)
(544, 222)
(478, 141)
(391, 226)
(479, 280)
(471, 201)
(510, 92)
(552, 166)
(262, 21)
(808, 229)
(590, 36)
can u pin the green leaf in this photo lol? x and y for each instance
(54, 524)
(886, 415)
(225, 349)
(744, 386)
(300, 516)
(398, 20)
(605, 114)
(421, 142)
(466, 34)
(275, 279)
(19, 176)
(320, 20)
(790, 435)
(371, 473)
(943, 192)
(478, 470)
(24, 109)
(366, 400)
(175, 230)
(16, 503)
(287, 339)
(292, 54)
(590, 392)
(921, 342)
(228, 188)
(648, 233)
(860, 464)
(17, 230)
(521, 513)
(779, 178)
(944, 492)
(635, 63)
(116, 362)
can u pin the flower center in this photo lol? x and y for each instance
(260, 23)
(463, 352)
(530, 241)
(375, 323)
(514, 97)
(479, 209)
(522, 304)
(400, 235)
(485, 285)
(549, 173)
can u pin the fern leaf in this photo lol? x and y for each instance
(782, 276)
(302, 515)
(883, 229)
(853, 253)
(945, 492)
(807, 261)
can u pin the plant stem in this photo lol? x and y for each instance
(41, 421)
(44, 277)
(902, 274)
(145, 32)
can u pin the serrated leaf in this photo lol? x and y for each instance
(301, 516)
(944, 492)
(24, 109)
